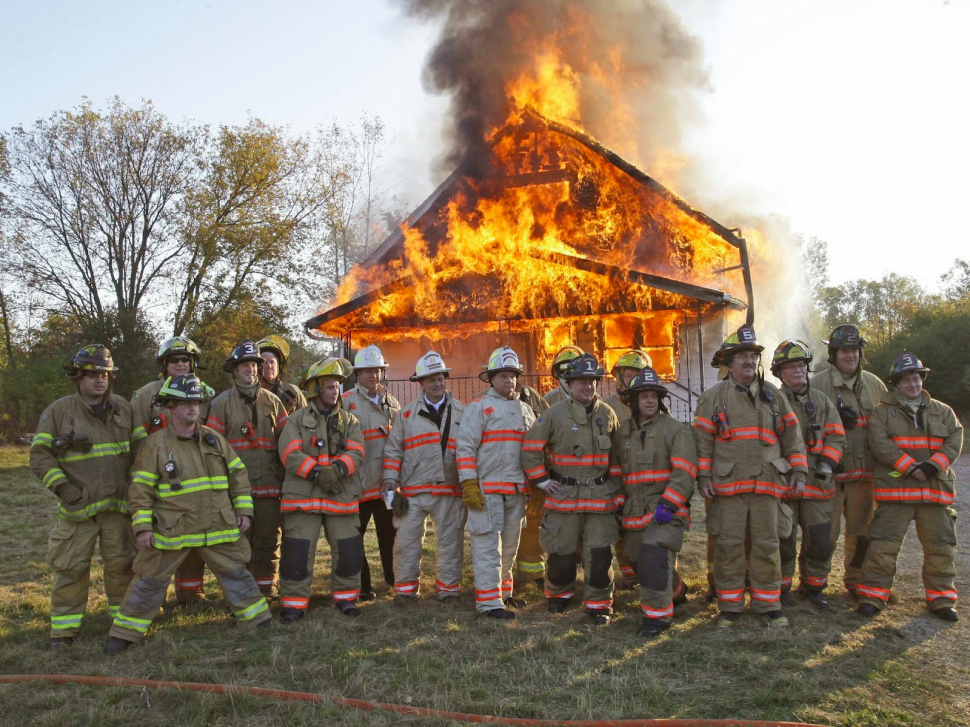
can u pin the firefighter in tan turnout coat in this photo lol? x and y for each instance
(376, 410)
(824, 442)
(655, 456)
(189, 493)
(251, 418)
(855, 393)
(494, 488)
(582, 497)
(80, 452)
(323, 449)
(176, 356)
(914, 439)
(420, 468)
(750, 454)
(275, 352)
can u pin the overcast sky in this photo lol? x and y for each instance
(848, 117)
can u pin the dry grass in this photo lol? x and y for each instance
(904, 668)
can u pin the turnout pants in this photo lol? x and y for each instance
(936, 530)
(70, 547)
(189, 578)
(560, 537)
(264, 536)
(652, 553)
(730, 519)
(530, 565)
(814, 517)
(302, 531)
(384, 527)
(853, 501)
(154, 569)
(494, 540)
(448, 515)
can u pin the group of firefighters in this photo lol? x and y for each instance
(180, 479)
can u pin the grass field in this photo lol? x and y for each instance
(902, 668)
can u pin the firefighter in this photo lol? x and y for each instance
(176, 356)
(251, 418)
(856, 393)
(626, 367)
(81, 452)
(824, 438)
(582, 496)
(275, 352)
(563, 357)
(189, 493)
(420, 468)
(323, 449)
(750, 454)
(376, 410)
(655, 456)
(494, 489)
(914, 440)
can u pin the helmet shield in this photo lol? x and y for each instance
(502, 359)
(244, 351)
(93, 357)
(369, 357)
(583, 367)
(744, 339)
(429, 365)
(633, 359)
(905, 363)
(790, 351)
(176, 346)
(180, 389)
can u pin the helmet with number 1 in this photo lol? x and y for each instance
(275, 345)
(93, 357)
(179, 389)
(243, 352)
(179, 345)
(791, 351)
(502, 359)
(744, 339)
(564, 356)
(323, 370)
(905, 363)
(583, 367)
(429, 365)
(369, 357)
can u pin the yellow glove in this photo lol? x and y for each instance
(471, 495)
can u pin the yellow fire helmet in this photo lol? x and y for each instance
(275, 345)
(324, 369)
(789, 351)
(174, 347)
(502, 359)
(94, 357)
(369, 357)
(565, 355)
(429, 365)
(632, 359)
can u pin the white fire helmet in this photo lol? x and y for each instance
(429, 365)
(502, 359)
(369, 357)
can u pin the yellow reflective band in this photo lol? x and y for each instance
(237, 464)
(165, 489)
(144, 478)
(253, 611)
(110, 449)
(89, 511)
(131, 623)
(42, 439)
(69, 621)
(141, 517)
(139, 434)
(53, 474)
(242, 501)
(196, 540)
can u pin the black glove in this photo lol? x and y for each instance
(927, 469)
(341, 467)
(68, 493)
(846, 414)
(400, 505)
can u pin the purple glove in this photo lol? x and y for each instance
(663, 514)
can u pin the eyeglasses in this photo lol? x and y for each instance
(179, 359)
(97, 374)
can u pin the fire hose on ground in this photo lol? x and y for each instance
(366, 705)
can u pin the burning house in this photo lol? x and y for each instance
(544, 237)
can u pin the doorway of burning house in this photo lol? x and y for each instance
(687, 379)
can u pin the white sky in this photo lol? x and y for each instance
(849, 117)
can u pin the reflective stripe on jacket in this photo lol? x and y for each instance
(188, 490)
(898, 444)
(375, 425)
(312, 439)
(743, 446)
(101, 470)
(490, 443)
(856, 462)
(253, 438)
(413, 451)
(578, 444)
(655, 459)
